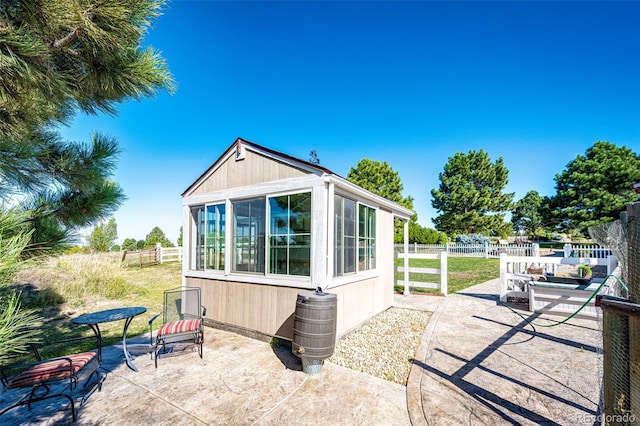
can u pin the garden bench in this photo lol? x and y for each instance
(51, 378)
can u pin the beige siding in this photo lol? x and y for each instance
(254, 169)
(267, 309)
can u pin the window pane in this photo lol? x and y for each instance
(349, 255)
(279, 215)
(290, 234)
(198, 234)
(338, 253)
(300, 207)
(215, 236)
(366, 237)
(249, 235)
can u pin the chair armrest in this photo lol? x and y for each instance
(153, 318)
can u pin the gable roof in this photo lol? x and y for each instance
(242, 144)
(239, 145)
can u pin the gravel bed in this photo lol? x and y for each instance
(384, 346)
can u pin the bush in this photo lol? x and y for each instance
(472, 239)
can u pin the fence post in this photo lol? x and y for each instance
(567, 250)
(503, 277)
(535, 250)
(486, 249)
(158, 252)
(443, 273)
(406, 258)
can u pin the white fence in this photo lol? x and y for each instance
(586, 250)
(168, 254)
(473, 250)
(442, 271)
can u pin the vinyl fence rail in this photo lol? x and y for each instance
(488, 250)
(168, 254)
(442, 271)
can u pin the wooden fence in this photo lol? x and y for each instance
(151, 256)
(442, 271)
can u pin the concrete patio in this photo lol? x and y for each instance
(478, 363)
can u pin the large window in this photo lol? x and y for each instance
(209, 234)
(197, 214)
(249, 220)
(285, 250)
(290, 234)
(216, 223)
(366, 238)
(344, 254)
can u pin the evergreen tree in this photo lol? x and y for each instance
(594, 188)
(527, 214)
(61, 57)
(15, 333)
(129, 244)
(470, 197)
(157, 236)
(66, 55)
(103, 236)
(383, 180)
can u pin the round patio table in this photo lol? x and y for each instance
(93, 320)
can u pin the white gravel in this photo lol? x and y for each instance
(384, 346)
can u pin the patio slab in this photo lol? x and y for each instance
(239, 381)
(478, 363)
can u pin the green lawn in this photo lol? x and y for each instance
(103, 287)
(66, 288)
(463, 272)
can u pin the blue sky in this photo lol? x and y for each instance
(410, 83)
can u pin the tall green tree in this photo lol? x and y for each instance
(129, 244)
(381, 179)
(179, 242)
(420, 235)
(470, 198)
(103, 236)
(61, 56)
(594, 188)
(527, 214)
(157, 236)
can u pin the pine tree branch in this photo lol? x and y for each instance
(66, 40)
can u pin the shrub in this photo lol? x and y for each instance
(472, 239)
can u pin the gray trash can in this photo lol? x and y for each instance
(314, 329)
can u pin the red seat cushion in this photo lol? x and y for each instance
(55, 369)
(183, 326)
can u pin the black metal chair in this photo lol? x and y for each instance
(182, 321)
(51, 378)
